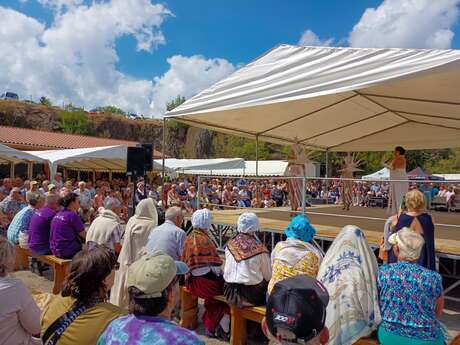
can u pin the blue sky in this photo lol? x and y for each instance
(235, 31)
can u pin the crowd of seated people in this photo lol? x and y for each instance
(122, 287)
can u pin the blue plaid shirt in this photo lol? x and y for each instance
(20, 223)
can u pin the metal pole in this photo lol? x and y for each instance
(304, 194)
(12, 170)
(327, 164)
(257, 155)
(163, 170)
(198, 192)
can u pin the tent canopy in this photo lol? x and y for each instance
(104, 158)
(337, 99)
(382, 174)
(10, 155)
(174, 164)
(266, 168)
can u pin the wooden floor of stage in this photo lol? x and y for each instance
(329, 220)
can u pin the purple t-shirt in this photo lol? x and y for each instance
(39, 230)
(65, 227)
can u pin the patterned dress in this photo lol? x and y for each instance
(408, 294)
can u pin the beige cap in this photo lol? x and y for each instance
(153, 272)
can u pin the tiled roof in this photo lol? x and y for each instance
(32, 139)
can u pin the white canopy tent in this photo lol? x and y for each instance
(103, 158)
(266, 168)
(381, 175)
(337, 99)
(10, 155)
(184, 165)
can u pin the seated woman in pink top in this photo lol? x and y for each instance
(19, 314)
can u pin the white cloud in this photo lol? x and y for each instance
(187, 76)
(74, 60)
(309, 38)
(407, 24)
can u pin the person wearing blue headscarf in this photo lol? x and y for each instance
(298, 254)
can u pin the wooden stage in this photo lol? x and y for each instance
(329, 220)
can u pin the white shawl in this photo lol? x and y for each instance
(349, 273)
(135, 238)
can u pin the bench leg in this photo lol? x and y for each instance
(22, 261)
(238, 327)
(188, 310)
(60, 272)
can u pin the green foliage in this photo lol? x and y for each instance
(170, 106)
(111, 109)
(45, 101)
(74, 122)
(175, 103)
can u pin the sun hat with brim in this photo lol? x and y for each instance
(153, 272)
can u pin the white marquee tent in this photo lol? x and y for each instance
(266, 168)
(382, 174)
(10, 155)
(337, 99)
(184, 165)
(103, 158)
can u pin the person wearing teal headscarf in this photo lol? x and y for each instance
(298, 254)
(300, 228)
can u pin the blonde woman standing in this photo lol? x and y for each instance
(416, 218)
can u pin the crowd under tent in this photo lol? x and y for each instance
(95, 159)
(337, 99)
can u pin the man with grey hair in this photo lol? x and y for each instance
(86, 210)
(106, 229)
(21, 221)
(169, 237)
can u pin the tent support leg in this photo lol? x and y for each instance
(257, 155)
(198, 192)
(304, 194)
(163, 146)
(327, 164)
(12, 170)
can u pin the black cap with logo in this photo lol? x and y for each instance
(297, 305)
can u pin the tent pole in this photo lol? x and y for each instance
(327, 164)
(12, 170)
(163, 146)
(198, 192)
(257, 155)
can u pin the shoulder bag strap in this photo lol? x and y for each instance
(57, 328)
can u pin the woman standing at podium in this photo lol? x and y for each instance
(397, 190)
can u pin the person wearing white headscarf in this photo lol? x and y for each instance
(205, 280)
(135, 239)
(349, 273)
(247, 265)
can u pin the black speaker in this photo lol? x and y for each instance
(135, 161)
(148, 163)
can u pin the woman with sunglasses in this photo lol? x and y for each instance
(81, 313)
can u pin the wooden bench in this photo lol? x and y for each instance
(60, 266)
(239, 317)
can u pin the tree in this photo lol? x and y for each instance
(111, 109)
(175, 103)
(74, 122)
(45, 101)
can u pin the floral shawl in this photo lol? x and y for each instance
(349, 273)
(293, 257)
(200, 251)
(244, 246)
